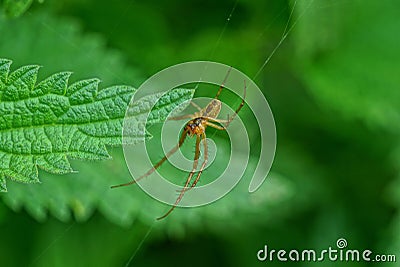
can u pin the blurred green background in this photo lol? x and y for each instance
(333, 87)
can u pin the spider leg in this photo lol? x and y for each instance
(187, 116)
(230, 119)
(203, 165)
(214, 119)
(195, 105)
(158, 164)
(223, 83)
(178, 118)
(182, 192)
(215, 126)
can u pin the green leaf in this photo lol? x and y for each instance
(79, 195)
(56, 41)
(15, 8)
(60, 45)
(44, 124)
(3, 187)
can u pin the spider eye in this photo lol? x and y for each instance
(190, 126)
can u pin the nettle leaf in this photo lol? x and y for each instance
(15, 8)
(79, 195)
(56, 40)
(52, 121)
(44, 124)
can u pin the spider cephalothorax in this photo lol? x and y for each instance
(196, 127)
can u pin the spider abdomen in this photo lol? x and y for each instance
(212, 110)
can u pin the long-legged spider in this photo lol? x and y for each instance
(196, 126)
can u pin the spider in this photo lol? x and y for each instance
(196, 126)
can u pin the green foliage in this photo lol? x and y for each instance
(55, 42)
(15, 8)
(44, 124)
(331, 86)
(358, 81)
(80, 195)
(350, 65)
(59, 45)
